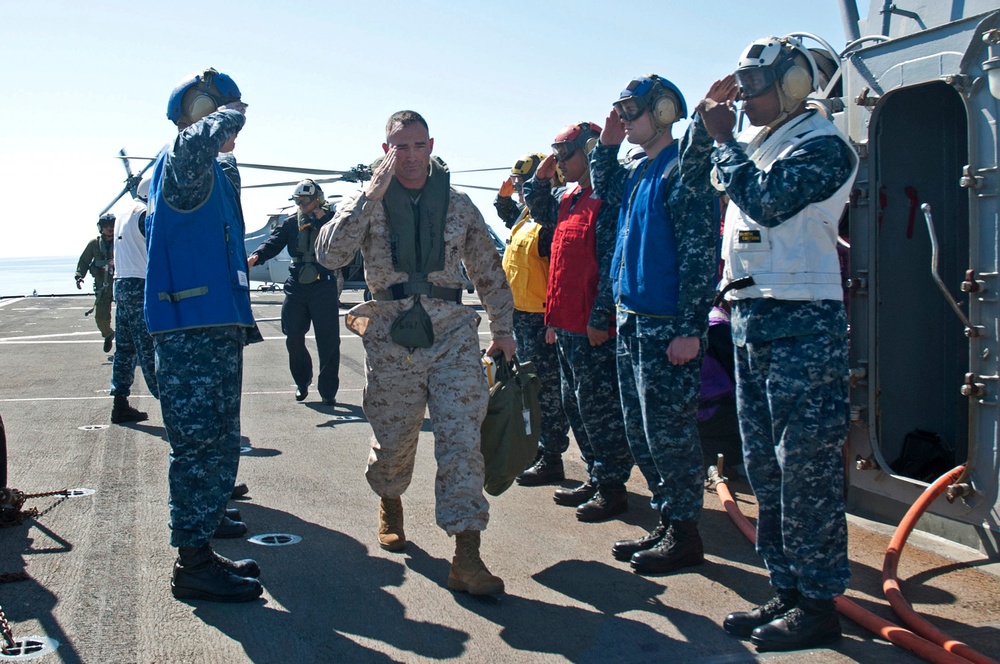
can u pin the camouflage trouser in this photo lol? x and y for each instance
(593, 407)
(529, 332)
(660, 403)
(792, 397)
(447, 381)
(200, 373)
(133, 341)
(102, 310)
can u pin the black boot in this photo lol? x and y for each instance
(121, 412)
(742, 623)
(610, 500)
(545, 471)
(680, 547)
(624, 550)
(233, 514)
(811, 623)
(199, 575)
(229, 529)
(247, 567)
(240, 490)
(576, 496)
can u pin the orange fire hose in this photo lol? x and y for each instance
(890, 585)
(893, 633)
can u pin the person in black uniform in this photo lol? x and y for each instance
(311, 293)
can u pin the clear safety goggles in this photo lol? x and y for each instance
(563, 151)
(630, 108)
(755, 81)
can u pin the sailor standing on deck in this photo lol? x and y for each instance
(662, 277)
(580, 316)
(198, 311)
(788, 179)
(422, 345)
(134, 341)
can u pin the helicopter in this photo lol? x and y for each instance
(271, 274)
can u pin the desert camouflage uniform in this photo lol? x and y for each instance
(792, 382)
(447, 378)
(98, 259)
(200, 370)
(588, 373)
(133, 341)
(659, 399)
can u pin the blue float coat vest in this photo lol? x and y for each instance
(644, 276)
(196, 274)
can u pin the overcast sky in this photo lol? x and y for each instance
(494, 81)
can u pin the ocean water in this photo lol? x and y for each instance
(41, 275)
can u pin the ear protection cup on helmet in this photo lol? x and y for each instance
(664, 110)
(197, 103)
(590, 145)
(796, 82)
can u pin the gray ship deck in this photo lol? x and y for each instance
(98, 566)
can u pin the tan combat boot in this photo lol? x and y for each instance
(390, 524)
(468, 571)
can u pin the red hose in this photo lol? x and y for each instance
(891, 632)
(890, 585)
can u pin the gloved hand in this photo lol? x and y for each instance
(79, 283)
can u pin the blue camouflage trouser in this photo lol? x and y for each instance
(660, 403)
(133, 341)
(529, 333)
(200, 372)
(593, 407)
(792, 399)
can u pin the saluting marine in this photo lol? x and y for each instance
(421, 343)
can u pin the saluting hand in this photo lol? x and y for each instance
(717, 110)
(382, 176)
(614, 129)
(547, 169)
(507, 188)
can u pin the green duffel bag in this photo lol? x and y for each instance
(513, 419)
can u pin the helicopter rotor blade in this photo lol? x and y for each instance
(483, 170)
(472, 186)
(272, 167)
(292, 183)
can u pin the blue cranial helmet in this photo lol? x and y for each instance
(663, 99)
(199, 94)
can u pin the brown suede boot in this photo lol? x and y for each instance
(468, 571)
(390, 524)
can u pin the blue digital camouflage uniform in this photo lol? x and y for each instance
(529, 333)
(659, 399)
(200, 370)
(792, 382)
(133, 342)
(588, 373)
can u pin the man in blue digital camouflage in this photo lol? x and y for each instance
(135, 345)
(663, 277)
(580, 317)
(198, 311)
(788, 179)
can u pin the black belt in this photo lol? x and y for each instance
(736, 284)
(408, 288)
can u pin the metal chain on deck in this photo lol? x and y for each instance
(8, 635)
(12, 501)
